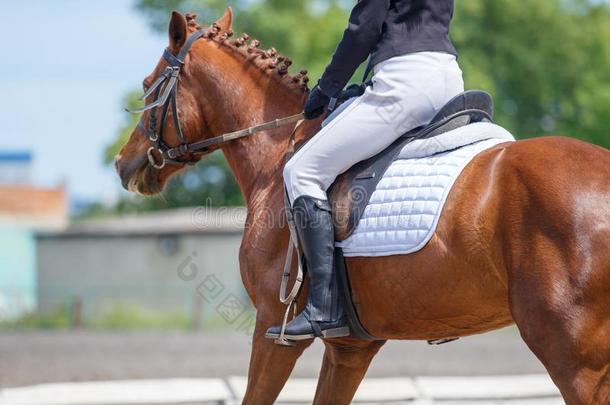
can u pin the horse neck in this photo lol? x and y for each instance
(238, 100)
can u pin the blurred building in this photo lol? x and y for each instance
(24, 210)
(181, 261)
(15, 167)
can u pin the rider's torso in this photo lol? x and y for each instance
(415, 26)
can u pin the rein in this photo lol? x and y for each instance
(164, 91)
(205, 144)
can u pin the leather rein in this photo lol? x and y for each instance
(164, 90)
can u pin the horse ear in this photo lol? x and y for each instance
(177, 31)
(226, 21)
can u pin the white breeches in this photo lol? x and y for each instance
(407, 92)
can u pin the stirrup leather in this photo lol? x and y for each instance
(290, 299)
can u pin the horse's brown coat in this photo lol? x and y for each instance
(524, 238)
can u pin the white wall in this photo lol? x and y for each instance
(158, 273)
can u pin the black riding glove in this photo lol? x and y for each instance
(316, 103)
(354, 90)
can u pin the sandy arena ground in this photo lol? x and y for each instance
(37, 357)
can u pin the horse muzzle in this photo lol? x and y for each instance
(127, 170)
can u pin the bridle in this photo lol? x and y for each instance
(164, 90)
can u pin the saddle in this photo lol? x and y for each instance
(350, 193)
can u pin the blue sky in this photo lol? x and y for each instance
(64, 68)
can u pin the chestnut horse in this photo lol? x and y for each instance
(524, 237)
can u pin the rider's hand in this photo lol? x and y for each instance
(316, 103)
(354, 90)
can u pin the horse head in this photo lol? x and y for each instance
(177, 97)
(207, 84)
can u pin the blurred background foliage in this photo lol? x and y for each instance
(545, 62)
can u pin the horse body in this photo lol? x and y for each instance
(519, 241)
(524, 237)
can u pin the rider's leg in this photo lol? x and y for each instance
(407, 92)
(323, 316)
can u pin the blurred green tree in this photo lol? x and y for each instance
(545, 63)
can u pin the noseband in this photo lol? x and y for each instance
(164, 91)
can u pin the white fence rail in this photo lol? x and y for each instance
(500, 390)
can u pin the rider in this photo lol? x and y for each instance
(415, 74)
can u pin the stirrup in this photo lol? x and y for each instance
(282, 340)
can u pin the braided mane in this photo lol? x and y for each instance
(269, 61)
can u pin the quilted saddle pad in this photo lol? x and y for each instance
(406, 206)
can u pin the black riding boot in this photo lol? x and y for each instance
(323, 315)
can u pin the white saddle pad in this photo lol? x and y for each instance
(404, 210)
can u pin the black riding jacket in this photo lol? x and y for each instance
(387, 28)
